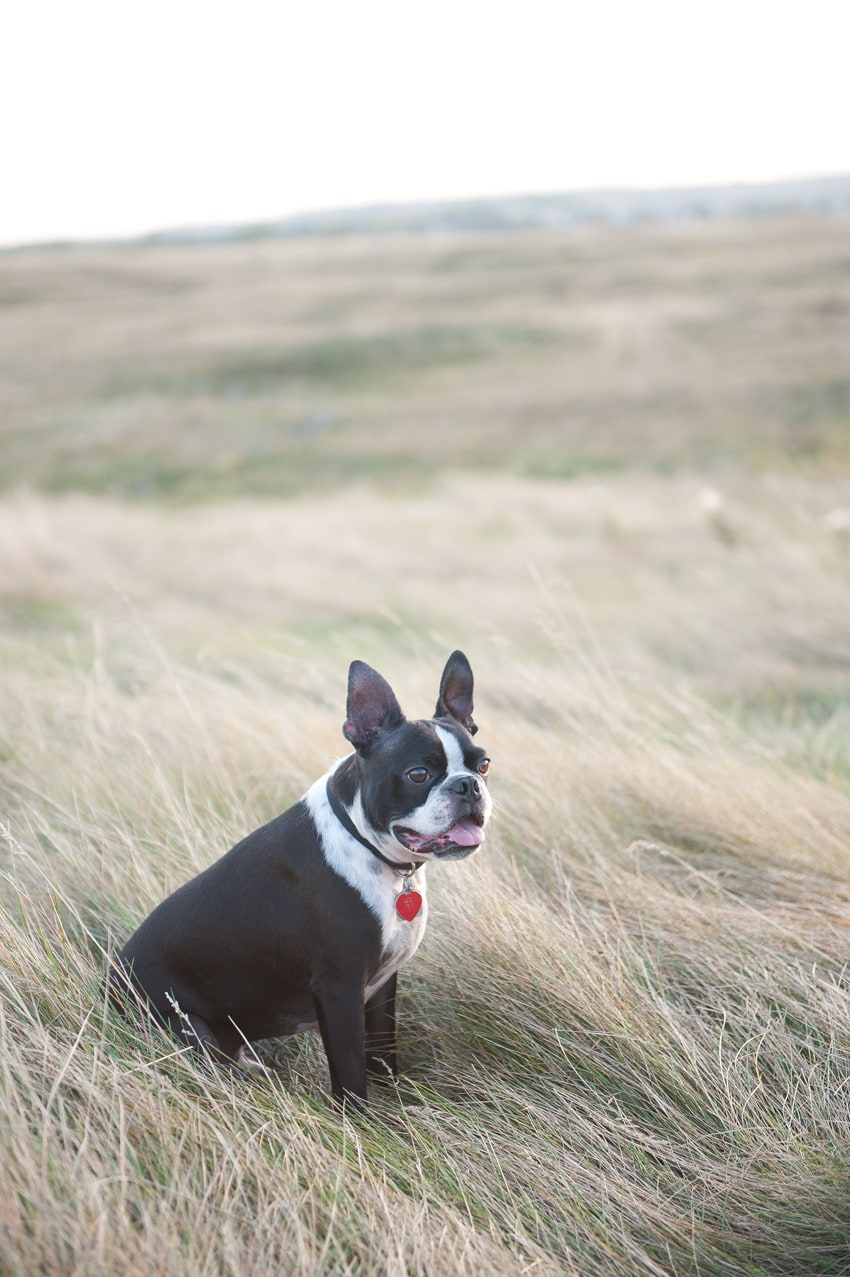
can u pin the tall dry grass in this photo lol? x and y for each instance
(625, 1038)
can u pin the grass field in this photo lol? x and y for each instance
(614, 467)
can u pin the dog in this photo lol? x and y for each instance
(305, 922)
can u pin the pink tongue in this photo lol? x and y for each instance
(466, 834)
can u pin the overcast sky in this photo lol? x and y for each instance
(118, 118)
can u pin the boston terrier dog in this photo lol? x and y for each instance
(307, 920)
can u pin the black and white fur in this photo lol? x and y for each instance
(296, 926)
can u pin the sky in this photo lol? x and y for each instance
(119, 117)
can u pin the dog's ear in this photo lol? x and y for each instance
(372, 708)
(455, 699)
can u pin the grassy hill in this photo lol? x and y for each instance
(268, 368)
(614, 466)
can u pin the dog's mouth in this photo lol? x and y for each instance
(459, 841)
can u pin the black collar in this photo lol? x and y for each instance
(349, 825)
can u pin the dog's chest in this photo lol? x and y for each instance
(400, 942)
(377, 885)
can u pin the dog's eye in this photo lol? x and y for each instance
(418, 775)
(484, 766)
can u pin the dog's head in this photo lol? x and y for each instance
(422, 792)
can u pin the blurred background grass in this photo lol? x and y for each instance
(269, 368)
(357, 441)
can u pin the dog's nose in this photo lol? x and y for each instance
(465, 786)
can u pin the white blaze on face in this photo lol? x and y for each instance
(439, 811)
(455, 765)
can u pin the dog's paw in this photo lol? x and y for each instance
(250, 1065)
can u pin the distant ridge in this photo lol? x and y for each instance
(828, 196)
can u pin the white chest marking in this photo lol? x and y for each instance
(376, 883)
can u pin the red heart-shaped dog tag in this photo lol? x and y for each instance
(408, 904)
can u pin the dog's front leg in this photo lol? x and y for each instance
(381, 1034)
(339, 1010)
